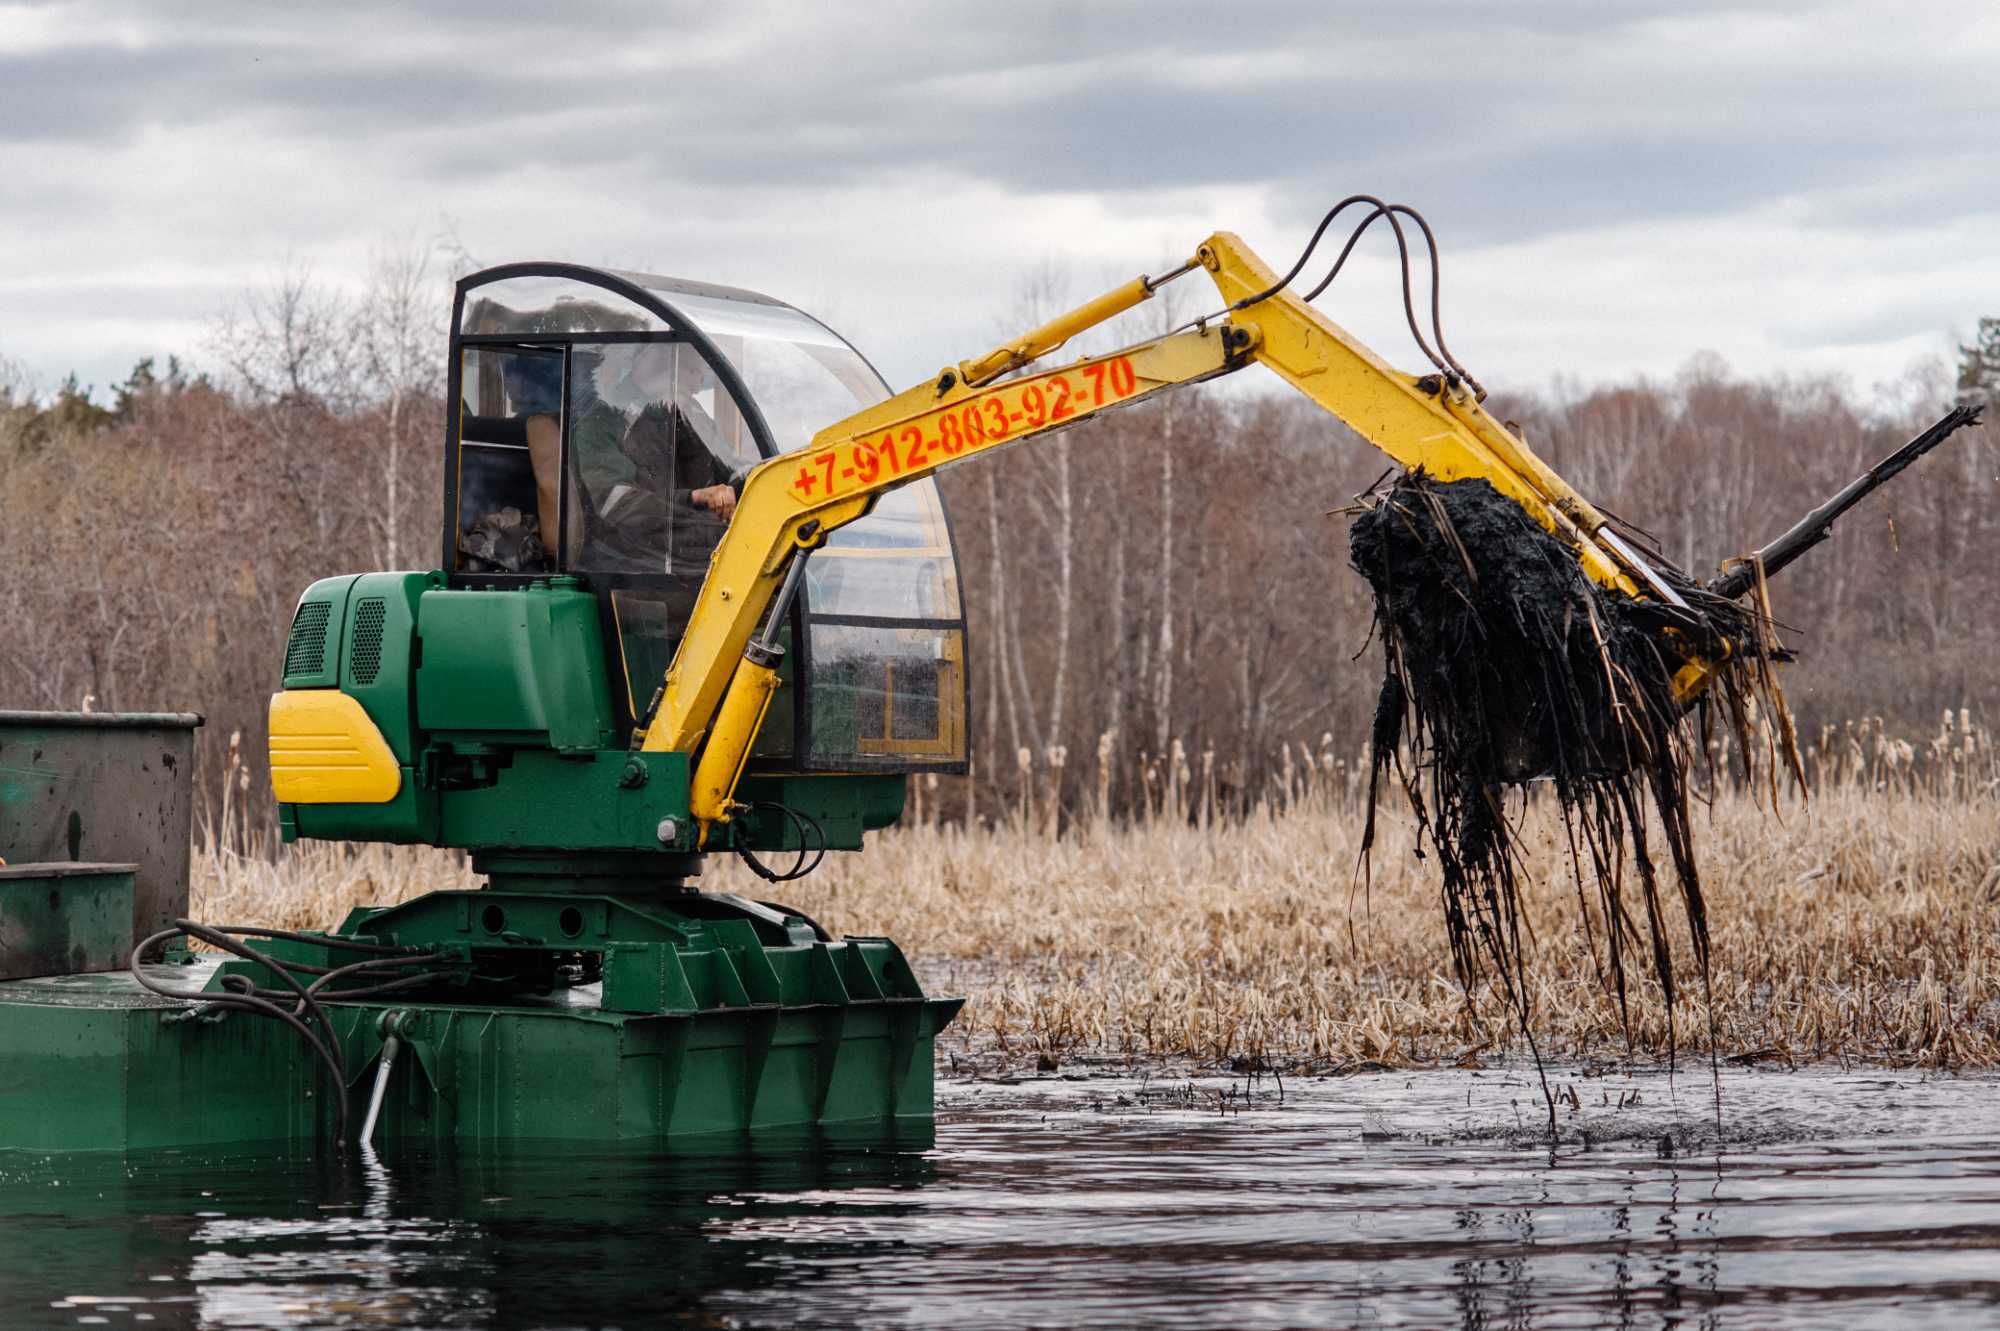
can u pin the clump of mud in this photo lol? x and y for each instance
(1505, 664)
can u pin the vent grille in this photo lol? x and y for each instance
(305, 653)
(366, 654)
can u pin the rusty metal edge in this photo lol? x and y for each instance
(107, 720)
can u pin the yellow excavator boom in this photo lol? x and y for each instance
(791, 503)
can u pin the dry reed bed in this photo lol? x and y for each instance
(1862, 924)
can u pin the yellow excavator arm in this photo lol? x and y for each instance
(721, 680)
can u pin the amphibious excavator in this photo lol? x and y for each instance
(677, 614)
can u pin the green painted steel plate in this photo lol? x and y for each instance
(60, 919)
(94, 1062)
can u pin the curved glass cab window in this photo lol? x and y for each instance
(802, 376)
(530, 305)
(896, 563)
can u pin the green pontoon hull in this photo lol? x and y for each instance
(95, 1062)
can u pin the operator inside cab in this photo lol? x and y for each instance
(652, 490)
(653, 485)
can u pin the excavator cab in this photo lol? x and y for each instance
(601, 424)
(599, 415)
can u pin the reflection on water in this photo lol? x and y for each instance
(1839, 1200)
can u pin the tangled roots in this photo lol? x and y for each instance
(1505, 664)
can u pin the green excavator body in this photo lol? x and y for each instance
(592, 990)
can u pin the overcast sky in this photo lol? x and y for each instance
(1797, 187)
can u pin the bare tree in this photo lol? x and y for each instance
(1169, 409)
(290, 338)
(399, 329)
(17, 386)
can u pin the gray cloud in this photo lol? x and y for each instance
(642, 125)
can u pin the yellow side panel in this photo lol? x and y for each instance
(325, 750)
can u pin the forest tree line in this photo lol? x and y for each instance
(1167, 580)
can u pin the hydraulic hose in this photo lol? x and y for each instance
(306, 1016)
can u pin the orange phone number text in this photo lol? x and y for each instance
(990, 419)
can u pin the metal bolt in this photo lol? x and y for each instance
(669, 829)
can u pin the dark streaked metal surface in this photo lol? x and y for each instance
(107, 787)
(64, 919)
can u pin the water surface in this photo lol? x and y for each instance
(1837, 1199)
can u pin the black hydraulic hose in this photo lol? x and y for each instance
(319, 988)
(801, 822)
(308, 1009)
(1389, 211)
(240, 994)
(309, 1006)
(1441, 357)
(317, 940)
(396, 986)
(329, 1054)
(1353, 239)
(1437, 316)
(235, 999)
(1311, 245)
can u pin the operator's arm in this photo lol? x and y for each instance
(701, 478)
(544, 435)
